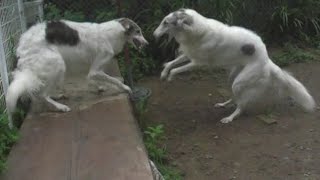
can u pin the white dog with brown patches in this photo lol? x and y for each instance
(208, 42)
(45, 48)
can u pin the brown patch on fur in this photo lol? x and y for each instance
(248, 49)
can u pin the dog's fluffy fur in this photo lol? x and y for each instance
(208, 42)
(46, 48)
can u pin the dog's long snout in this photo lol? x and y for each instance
(157, 32)
(144, 41)
(140, 42)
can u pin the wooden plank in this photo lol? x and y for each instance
(110, 146)
(100, 142)
(44, 150)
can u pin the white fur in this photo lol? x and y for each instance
(208, 42)
(41, 66)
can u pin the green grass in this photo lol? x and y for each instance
(290, 55)
(7, 139)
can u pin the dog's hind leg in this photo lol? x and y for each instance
(169, 65)
(55, 84)
(230, 118)
(59, 106)
(247, 87)
(178, 70)
(223, 104)
(234, 72)
(59, 94)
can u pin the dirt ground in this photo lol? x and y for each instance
(246, 149)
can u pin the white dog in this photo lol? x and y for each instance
(46, 48)
(207, 42)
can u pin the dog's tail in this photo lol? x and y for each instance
(24, 83)
(295, 89)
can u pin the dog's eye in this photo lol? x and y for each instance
(165, 22)
(138, 31)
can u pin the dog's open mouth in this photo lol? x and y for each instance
(137, 44)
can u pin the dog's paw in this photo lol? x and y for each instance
(170, 78)
(63, 108)
(127, 89)
(219, 105)
(226, 120)
(164, 75)
(165, 64)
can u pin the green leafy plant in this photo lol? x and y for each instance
(73, 16)
(102, 15)
(300, 18)
(153, 140)
(169, 173)
(52, 12)
(153, 136)
(7, 138)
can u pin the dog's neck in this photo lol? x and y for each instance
(114, 33)
(191, 35)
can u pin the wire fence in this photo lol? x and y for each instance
(15, 17)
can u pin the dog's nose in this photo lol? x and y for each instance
(144, 41)
(155, 33)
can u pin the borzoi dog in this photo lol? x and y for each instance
(45, 48)
(208, 42)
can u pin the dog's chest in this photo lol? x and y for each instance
(197, 53)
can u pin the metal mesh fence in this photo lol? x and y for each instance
(9, 32)
(14, 16)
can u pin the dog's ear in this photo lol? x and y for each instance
(126, 23)
(180, 19)
(184, 19)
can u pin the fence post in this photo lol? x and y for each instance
(4, 72)
(40, 9)
(22, 15)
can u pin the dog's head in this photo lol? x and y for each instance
(180, 20)
(133, 33)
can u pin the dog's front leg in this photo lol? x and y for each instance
(96, 72)
(59, 106)
(223, 104)
(184, 68)
(100, 75)
(230, 118)
(169, 65)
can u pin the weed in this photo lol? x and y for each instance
(292, 55)
(153, 136)
(169, 173)
(7, 138)
(54, 13)
(157, 152)
(153, 140)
